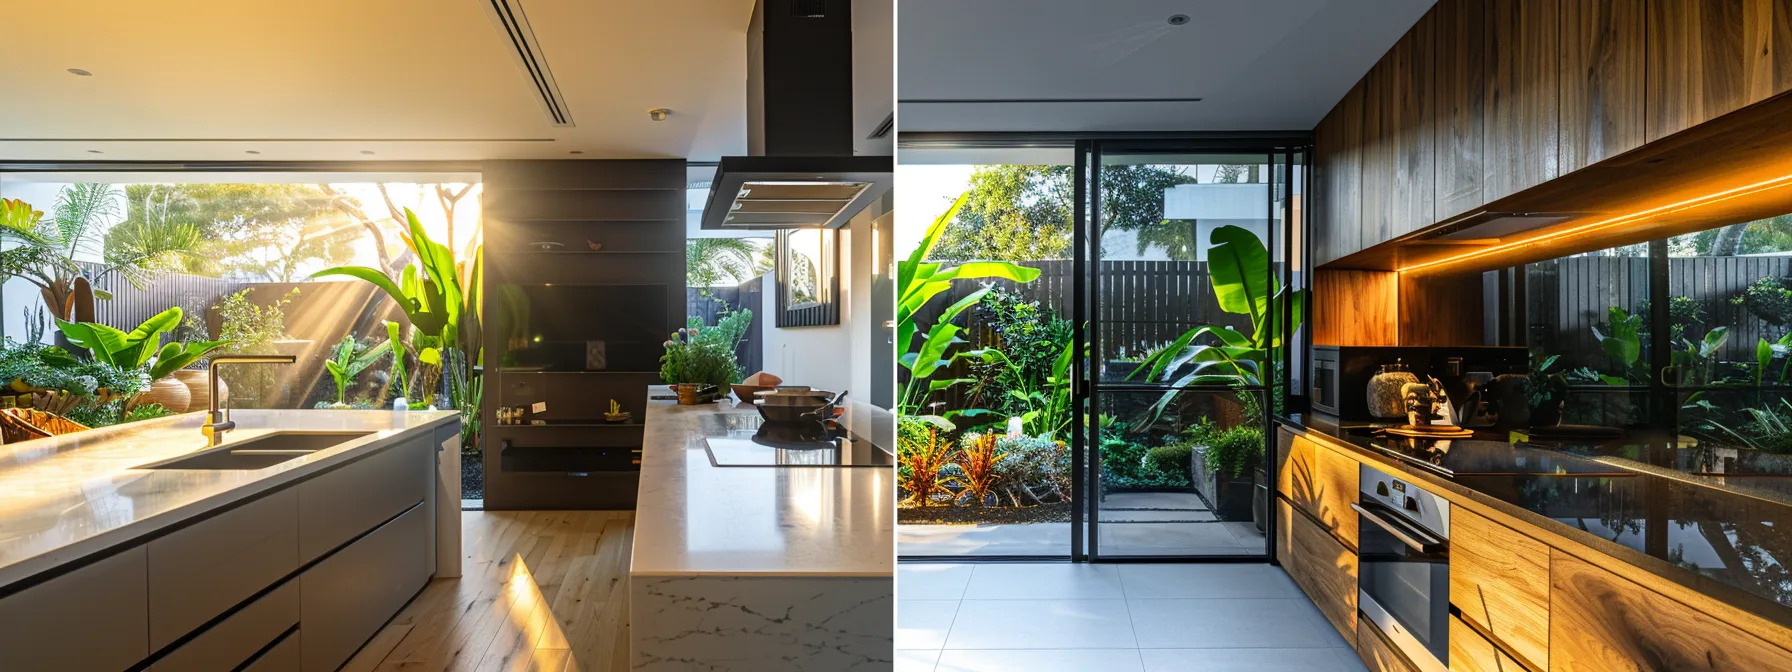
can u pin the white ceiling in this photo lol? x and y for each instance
(406, 79)
(1255, 64)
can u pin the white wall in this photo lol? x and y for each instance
(832, 357)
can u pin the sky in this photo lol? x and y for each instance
(923, 193)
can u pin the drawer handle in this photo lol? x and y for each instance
(1417, 540)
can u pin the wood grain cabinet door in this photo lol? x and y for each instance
(1601, 622)
(1499, 579)
(1325, 570)
(1601, 80)
(1522, 53)
(1706, 58)
(1339, 482)
(1470, 652)
(1399, 181)
(1295, 475)
(1378, 654)
(1338, 166)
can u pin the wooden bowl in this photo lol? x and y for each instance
(745, 392)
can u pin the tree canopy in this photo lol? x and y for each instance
(1018, 213)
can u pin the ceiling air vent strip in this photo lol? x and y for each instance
(510, 18)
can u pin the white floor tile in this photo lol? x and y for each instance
(911, 660)
(1062, 660)
(1228, 623)
(1350, 659)
(1241, 660)
(1041, 624)
(1206, 580)
(1044, 581)
(931, 581)
(923, 624)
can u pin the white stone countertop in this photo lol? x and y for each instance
(693, 518)
(65, 497)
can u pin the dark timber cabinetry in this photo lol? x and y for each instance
(574, 326)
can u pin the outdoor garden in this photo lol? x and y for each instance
(135, 287)
(988, 357)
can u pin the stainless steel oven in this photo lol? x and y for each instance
(1403, 581)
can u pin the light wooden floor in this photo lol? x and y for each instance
(538, 591)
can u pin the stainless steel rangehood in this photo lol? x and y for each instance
(801, 172)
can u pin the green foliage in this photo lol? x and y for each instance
(1170, 459)
(1124, 466)
(348, 359)
(251, 329)
(50, 367)
(730, 329)
(263, 231)
(145, 412)
(707, 261)
(1238, 267)
(1236, 451)
(133, 350)
(1033, 470)
(439, 296)
(917, 282)
(691, 358)
(1020, 213)
(1769, 299)
(1030, 336)
(45, 249)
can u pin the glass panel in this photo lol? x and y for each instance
(1012, 399)
(1181, 473)
(1730, 308)
(1588, 330)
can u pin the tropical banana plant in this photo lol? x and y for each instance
(349, 359)
(134, 350)
(1238, 267)
(440, 296)
(918, 281)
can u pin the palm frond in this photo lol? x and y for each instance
(82, 210)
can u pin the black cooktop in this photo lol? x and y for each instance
(747, 440)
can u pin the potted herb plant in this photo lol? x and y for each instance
(692, 363)
(1233, 456)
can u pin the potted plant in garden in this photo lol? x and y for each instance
(134, 351)
(1234, 455)
(693, 363)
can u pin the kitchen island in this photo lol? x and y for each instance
(140, 545)
(759, 567)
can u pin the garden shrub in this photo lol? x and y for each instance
(1125, 466)
(1769, 300)
(1170, 459)
(1032, 336)
(1033, 470)
(1236, 451)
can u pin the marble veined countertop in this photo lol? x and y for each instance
(693, 518)
(65, 497)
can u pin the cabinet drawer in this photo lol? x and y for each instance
(1602, 622)
(346, 598)
(208, 567)
(284, 657)
(342, 504)
(1294, 469)
(1378, 654)
(226, 646)
(1325, 570)
(1499, 580)
(1470, 652)
(93, 618)
(1320, 481)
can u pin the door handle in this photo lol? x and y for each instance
(1417, 540)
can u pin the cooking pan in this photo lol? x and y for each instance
(817, 407)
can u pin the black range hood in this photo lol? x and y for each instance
(802, 172)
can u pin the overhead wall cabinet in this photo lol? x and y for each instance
(1484, 99)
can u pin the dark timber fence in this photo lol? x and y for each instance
(130, 306)
(708, 304)
(1569, 297)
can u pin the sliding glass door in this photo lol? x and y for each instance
(1186, 263)
(1107, 394)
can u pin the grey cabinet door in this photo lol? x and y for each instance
(341, 504)
(346, 598)
(233, 641)
(206, 568)
(93, 618)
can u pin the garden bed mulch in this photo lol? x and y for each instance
(971, 515)
(472, 477)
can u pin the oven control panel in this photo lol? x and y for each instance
(1423, 508)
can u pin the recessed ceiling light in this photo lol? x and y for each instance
(95, 151)
(659, 114)
(250, 151)
(79, 72)
(368, 152)
(1178, 19)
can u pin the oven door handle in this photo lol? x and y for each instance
(1419, 541)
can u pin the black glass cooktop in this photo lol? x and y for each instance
(747, 440)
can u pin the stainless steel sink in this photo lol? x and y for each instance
(259, 452)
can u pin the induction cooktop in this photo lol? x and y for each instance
(743, 440)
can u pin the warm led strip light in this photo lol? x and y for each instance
(1687, 204)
